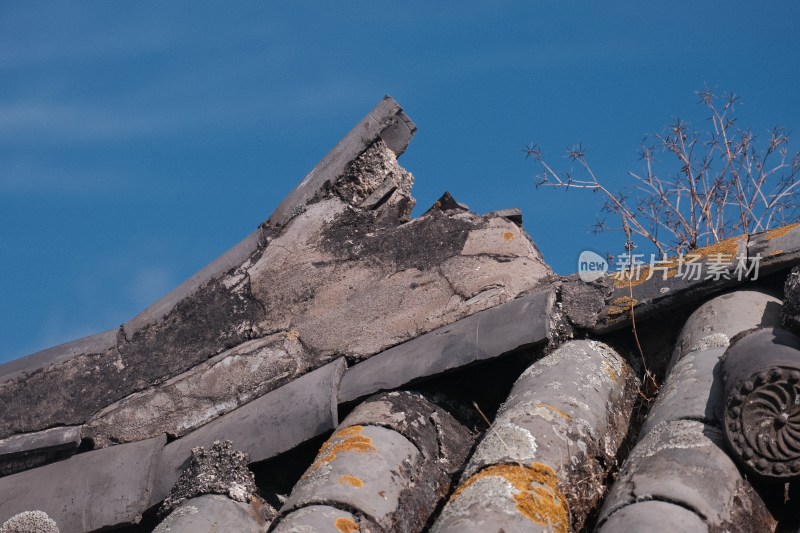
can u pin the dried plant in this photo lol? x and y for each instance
(726, 182)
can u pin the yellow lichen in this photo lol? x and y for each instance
(346, 440)
(610, 371)
(776, 252)
(507, 236)
(346, 525)
(537, 496)
(554, 409)
(353, 481)
(780, 232)
(728, 247)
(621, 305)
(292, 334)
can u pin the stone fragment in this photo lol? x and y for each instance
(446, 202)
(582, 302)
(29, 522)
(212, 513)
(89, 491)
(542, 465)
(263, 428)
(218, 470)
(484, 335)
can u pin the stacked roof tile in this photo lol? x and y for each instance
(381, 373)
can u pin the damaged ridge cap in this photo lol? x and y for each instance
(386, 121)
(383, 118)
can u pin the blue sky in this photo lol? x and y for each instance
(140, 140)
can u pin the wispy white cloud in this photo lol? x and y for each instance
(24, 175)
(231, 77)
(173, 111)
(100, 31)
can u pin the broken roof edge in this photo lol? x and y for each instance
(387, 121)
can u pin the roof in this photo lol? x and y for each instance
(347, 367)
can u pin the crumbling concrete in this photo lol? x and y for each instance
(583, 302)
(30, 522)
(543, 464)
(389, 464)
(386, 123)
(204, 324)
(220, 469)
(391, 282)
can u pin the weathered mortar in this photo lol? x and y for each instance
(220, 469)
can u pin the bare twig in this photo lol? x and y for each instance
(726, 182)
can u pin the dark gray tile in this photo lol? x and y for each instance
(510, 326)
